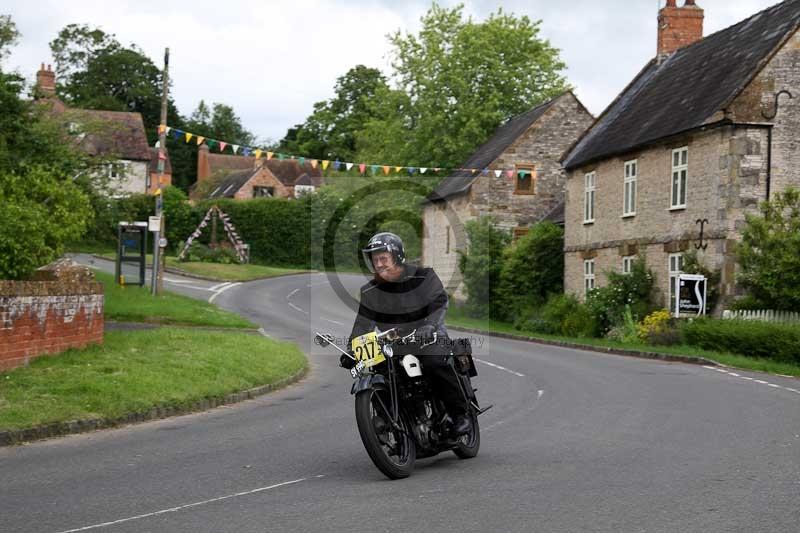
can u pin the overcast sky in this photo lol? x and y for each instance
(271, 60)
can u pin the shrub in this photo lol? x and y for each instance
(634, 290)
(481, 266)
(533, 268)
(202, 253)
(780, 342)
(655, 322)
(563, 314)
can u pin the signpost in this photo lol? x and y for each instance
(690, 298)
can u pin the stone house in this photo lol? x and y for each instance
(116, 135)
(521, 182)
(245, 177)
(708, 129)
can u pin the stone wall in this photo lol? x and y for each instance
(61, 308)
(264, 178)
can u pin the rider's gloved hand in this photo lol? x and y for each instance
(426, 334)
(346, 362)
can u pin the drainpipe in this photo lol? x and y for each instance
(769, 137)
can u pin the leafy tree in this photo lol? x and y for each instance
(76, 45)
(769, 253)
(533, 268)
(330, 131)
(481, 266)
(462, 78)
(9, 35)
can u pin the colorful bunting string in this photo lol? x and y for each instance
(337, 165)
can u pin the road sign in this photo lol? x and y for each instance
(154, 224)
(162, 242)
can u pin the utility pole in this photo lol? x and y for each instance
(158, 279)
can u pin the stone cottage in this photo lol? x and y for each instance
(116, 135)
(520, 183)
(708, 129)
(245, 177)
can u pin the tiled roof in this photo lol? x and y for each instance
(112, 132)
(287, 171)
(688, 88)
(232, 183)
(503, 137)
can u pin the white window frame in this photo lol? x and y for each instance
(117, 169)
(589, 190)
(627, 264)
(588, 276)
(679, 178)
(629, 188)
(675, 269)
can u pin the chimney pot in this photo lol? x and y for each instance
(678, 26)
(671, 3)
(689, 3)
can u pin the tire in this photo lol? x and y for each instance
(380, 442)
(469, 444)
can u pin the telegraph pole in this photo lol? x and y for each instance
(158, 280)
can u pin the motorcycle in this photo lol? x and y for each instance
(399, 417)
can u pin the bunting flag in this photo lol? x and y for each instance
(510, 173)
(325, 163)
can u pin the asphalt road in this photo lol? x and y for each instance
(577, 441)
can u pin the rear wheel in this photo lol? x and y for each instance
(469, 444)
(392, 451)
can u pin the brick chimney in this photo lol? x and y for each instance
(678, 26)
(46, 81)
(203, 165)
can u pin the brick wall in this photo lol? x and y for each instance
(264, 178)
(59, 310)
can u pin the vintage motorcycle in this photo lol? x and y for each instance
(399, 417)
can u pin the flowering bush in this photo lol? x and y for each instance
(655, 323)
(634, 290)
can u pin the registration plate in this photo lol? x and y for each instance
(367, 350)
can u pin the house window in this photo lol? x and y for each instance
(627, 264)
(629, 190)
(263, 192)
(588, 276)
(588, 198)
(116, 170)
(680, 166)
(675, 269)
(300, 190)
(526, 180)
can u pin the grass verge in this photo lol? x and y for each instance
(136, 304)
(457, 319)
(219, 271)
(136, 371)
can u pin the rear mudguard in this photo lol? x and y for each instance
(368, 381)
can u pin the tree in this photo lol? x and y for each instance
(481, 266)
(9, 35)
(76, 45)
(462, 79)
(533, 269)
(769, 253)
(330, 131)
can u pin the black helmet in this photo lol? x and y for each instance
(384, 242)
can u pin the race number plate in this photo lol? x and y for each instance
(367, 350)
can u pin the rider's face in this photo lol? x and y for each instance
(385, 266)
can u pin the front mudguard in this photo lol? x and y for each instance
(368, 381)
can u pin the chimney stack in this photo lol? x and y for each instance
(46, 81)
(678, 26)
(203, 165)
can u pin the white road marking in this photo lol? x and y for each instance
(220, 291)
(171, 280)
(504, 369)
(297, 308)
(292, 293)
(181, 507)
(760, 381)
(331, 321)
(219, 286)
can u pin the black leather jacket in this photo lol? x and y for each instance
(417, 298)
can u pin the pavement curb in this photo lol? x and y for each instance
(60, 429)
(602, 349)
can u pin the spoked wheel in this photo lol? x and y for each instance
(392, 451)
(469, 444)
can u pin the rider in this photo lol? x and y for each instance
(410, 297)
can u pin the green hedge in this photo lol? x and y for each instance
(779, 342)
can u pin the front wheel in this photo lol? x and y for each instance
(469, 444)
(392, 451)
